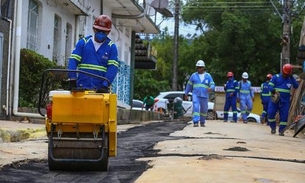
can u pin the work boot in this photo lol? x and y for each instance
(233, 121)
(225, 120)
(196, 125)
(273, 131)
(263, 121)
(202, 124)
(245, 122)
(281, 134)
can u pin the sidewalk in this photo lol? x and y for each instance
(14, 131)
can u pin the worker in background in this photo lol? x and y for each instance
(265, 95)
(231, 88)
(95, 54)
(245, 96)
(148, 102)
(280, 85)
(200, 84)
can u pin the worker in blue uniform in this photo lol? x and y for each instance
(200, 84)
(280, 85)
(231, 88)
(245, 96)
(265, 95)
(97, 55)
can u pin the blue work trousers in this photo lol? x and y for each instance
(265, 111)
(230, 103)
(283, 109)
(200, 109)
(246, 106)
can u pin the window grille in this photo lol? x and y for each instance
(32, 32)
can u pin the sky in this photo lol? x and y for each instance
(184, 30)
(170, 23)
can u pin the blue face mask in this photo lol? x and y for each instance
(100, 36)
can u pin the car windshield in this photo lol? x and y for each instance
(136, 103)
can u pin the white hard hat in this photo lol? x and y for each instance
(200, 63)
(245, 75)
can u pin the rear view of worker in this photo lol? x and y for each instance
(200, 84)
(265, 95)
(231, 88)
(245, 96)
(280, 85)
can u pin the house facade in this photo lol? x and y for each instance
(52, 28)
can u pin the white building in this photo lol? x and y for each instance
(52, 27)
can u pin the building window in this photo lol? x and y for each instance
(5, 8)
(32, 36)
(56, 40)
(68, 43)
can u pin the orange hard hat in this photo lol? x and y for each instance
(230, 74)
(287, 69)
(103, 22)
(269, 76)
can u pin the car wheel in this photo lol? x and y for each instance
(211, 115)
(251, 120)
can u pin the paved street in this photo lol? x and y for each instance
(218, 153)
(228, 152)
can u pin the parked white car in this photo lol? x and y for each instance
(165, 98)
(251, 118)
(137, 105)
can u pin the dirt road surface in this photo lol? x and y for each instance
(174, 152)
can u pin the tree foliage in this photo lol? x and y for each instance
(234, 38)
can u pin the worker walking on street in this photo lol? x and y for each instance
(231, 88)
(280, 86)
(265, 95)
(200, 84)
(97, 55)
(245, 96)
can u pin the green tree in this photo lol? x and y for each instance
(237, 39)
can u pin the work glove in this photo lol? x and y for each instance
(237, 100)
(103, 90)
(275, 97)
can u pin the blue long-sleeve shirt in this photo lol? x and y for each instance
(231, 87)
(103, 62)
(283, 86)
(245, 91)
(265, 93)
(199, 88)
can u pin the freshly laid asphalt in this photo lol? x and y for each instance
(220, 152)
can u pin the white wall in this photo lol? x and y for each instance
(122, 41)
(47, 11)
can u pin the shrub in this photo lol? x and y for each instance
(32, 65)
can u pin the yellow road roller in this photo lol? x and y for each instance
(81, 125)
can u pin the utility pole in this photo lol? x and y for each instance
(176, 45)
(285, 56)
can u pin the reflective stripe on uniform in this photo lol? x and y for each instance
(113, 62)
(92, 67)
(76, 57)
(283, 90)
(201, 86)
